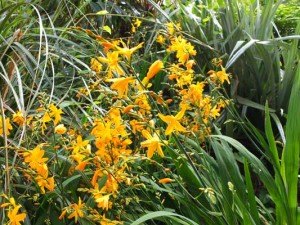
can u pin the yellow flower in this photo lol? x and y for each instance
(56, 113)
(112, 61)
(103, 201)
(172, 122)
(136, 126)
(142, 102)
(77, 210)
(8, 126)
(127, 52)
(35, 158)
(105, 221)
(154, 69)
(137, 23)
(44, 181)
(153, 143)
(195, 93)
(183, 77)
(46, 118)
(183, 49)
(101, 198)
(14, 217)
(171, 27)
(79, 145)
(222, 76)
(18, 118)
(160, 39)
(215, 112)
(96, 65)
(121, 85)
(60, 129)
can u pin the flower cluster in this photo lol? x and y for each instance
(130, 122)
(38, 168)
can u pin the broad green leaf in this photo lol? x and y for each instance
(69, 180)
(234, 56)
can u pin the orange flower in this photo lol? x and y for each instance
(107, 46)
(77, 210)
(127, 109)
(18, 118)
(60, 129)
(35, 159)
(45, 182)
(14, 217)
(82, 164)
(154, 69)
(165, 180)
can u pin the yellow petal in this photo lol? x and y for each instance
(154, 69)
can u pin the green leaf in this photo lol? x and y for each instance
(102, 12)
(69, 180)
(251, 195)
(102, 181)
(107, 29)
(272, 150)
(260, 168)
(292, 149)
(235, 55)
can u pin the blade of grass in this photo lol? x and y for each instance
(289, 75)
(251, 195)
(272, 149)
(171, 215)
(265, 176)
(290, 161)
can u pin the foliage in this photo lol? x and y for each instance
(112, 113)
(243, 34)
(287, 16)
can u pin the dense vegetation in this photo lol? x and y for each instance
(149, 112)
